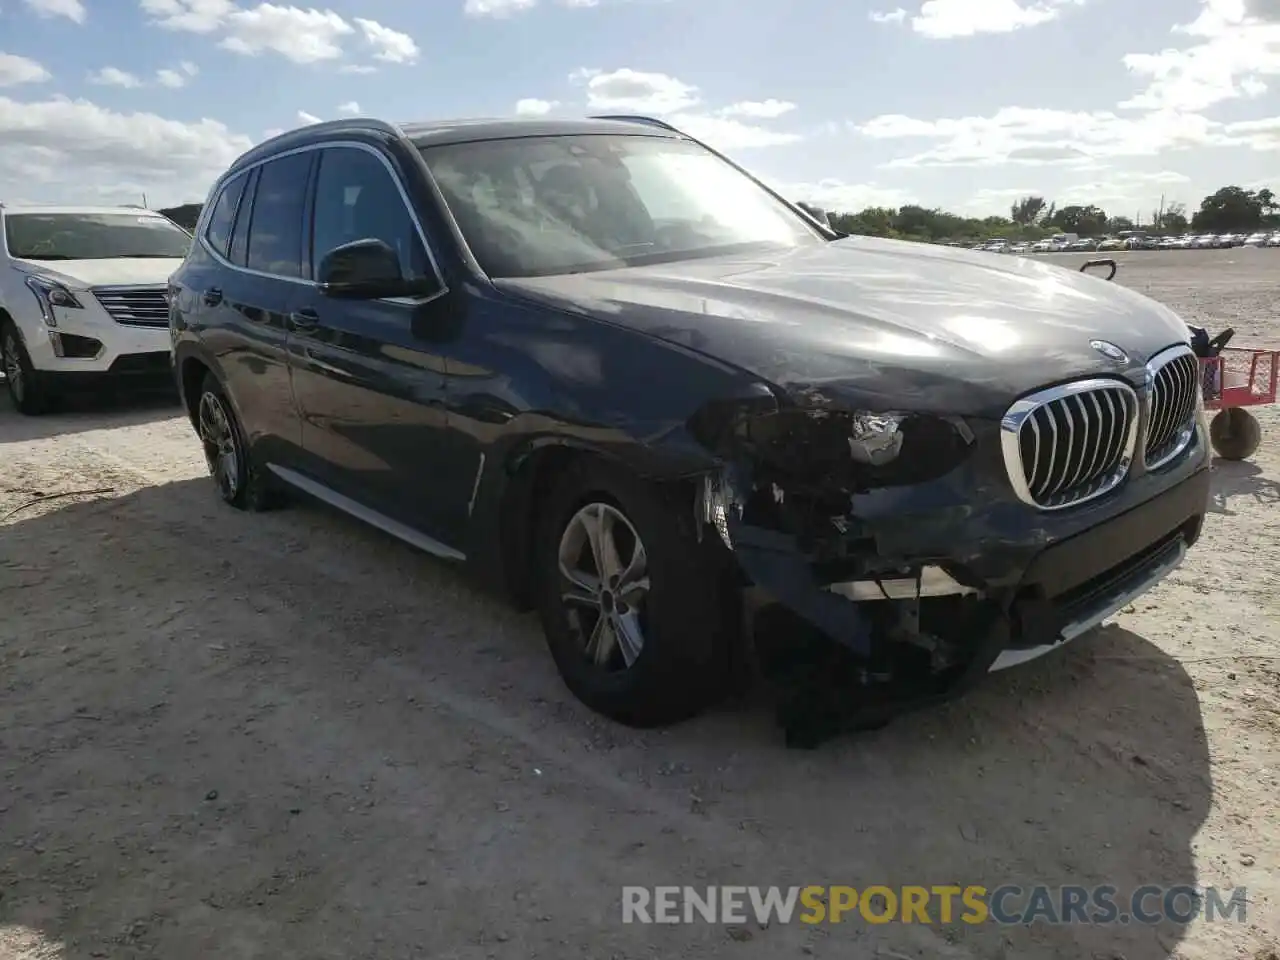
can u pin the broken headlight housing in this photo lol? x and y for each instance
(850, 450)
(794, 469)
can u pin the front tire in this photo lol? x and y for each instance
(27, 391)
(240, 480)
(639, 615)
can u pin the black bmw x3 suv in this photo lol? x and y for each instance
(633, 387)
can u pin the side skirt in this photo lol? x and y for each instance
(370, 516)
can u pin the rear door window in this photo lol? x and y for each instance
(240, 233)
(275, 231)
(217, 233)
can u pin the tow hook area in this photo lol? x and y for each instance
(849, 655)
(823, 690)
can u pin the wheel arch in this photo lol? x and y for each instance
(191, 365)
(528, 475)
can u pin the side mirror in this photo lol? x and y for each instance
(365, 269)
(816, 212)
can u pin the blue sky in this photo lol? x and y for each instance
(963, 104)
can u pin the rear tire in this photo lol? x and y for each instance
(241, 481)
(655, 652)
(1235, 433)
(27, 390)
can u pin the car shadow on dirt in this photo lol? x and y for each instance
(79, 412)
(285, 734)
(1240, 478)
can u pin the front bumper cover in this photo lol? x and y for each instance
(1057, 592)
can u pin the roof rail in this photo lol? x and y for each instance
(647, 121)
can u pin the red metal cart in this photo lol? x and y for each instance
(1239, 377)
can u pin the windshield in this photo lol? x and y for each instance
(541, 206)
(92, 236)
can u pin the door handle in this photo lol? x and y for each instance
(304, 320)
(212, 297)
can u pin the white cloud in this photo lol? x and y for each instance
(726, 135)
(389, 45)
(302, 35)
(947, 19)
(758, 109)
(86, 151)
(178, 77)
(496, 8)
(1129, 187)
(500, 9)
(1037, 136)
(307, 118)
(1259, 134)
(357, 68)
(888, 16)
(114, 77)
(1120, 192)
(189, 16)
(15, 70)
(633, 90)
(1235, 50)
(681, 104)
(838, 196)
(71, 9)
(349, 109)
(533, 107)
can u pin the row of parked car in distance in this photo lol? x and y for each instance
(1066, 243)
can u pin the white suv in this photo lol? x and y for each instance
(83, 298)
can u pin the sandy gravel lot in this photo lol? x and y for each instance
(287, 736)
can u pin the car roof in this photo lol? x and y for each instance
(429, 133)
(459, 131)
(9, 210)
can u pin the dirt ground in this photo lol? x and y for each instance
(288, 736)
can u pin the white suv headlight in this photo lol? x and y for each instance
(50, 294)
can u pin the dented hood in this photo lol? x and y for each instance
(879, 322)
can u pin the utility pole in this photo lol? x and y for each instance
(144, 202)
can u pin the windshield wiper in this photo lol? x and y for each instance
(151, 256)
(43, 256)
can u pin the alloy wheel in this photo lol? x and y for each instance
(604, 582)
(221, 449)
(13, 367)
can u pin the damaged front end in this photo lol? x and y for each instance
(906, 630)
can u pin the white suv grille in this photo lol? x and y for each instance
(135, 306)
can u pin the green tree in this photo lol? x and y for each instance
(1027, 211)
(1231, 209)
(1087, 221)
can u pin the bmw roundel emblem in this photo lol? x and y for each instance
(1109, 350)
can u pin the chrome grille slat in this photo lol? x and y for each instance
(1070, 443)
(1085, 458)
(1064, 411)
(135, 306)
(1174, 381)
(1100, 451)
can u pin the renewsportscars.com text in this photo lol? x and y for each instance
(1006, 904)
